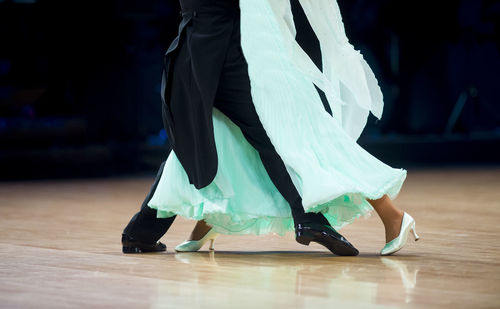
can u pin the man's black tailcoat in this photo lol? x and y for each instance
(198, 52)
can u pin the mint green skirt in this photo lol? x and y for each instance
(331, 172)
(243, 200)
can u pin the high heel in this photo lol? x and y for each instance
(398, 243)
(195, 245)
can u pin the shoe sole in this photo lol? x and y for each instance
(141, 250)
(336, 246)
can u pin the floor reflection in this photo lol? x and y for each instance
(408, 278)
(364, 279)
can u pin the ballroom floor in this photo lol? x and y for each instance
(60, 248)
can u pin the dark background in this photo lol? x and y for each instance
(80, 82)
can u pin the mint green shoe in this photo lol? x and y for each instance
(195, 245)
(398, 243)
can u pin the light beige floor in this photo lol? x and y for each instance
(59, 248)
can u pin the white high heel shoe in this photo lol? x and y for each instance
(195, 245)
(397, 243)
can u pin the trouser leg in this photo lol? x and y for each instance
(235, 101)
(144, 225)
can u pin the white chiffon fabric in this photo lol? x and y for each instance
(332, 173)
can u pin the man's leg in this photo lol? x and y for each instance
(145, 229)
(235, 101)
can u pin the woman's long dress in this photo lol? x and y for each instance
(332, 173)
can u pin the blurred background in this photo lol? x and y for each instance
(80, 83)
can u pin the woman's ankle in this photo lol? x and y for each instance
(200, 230)
(392, 226)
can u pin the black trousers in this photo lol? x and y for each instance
(234, 99)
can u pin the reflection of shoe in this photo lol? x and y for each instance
(409, 278)
(204, 259)
(397, 243)
(195, 245)
(131, 245)
(324, 235)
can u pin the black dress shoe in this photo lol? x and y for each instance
(326, 236)
(131, 245)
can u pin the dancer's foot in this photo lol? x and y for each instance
(324, 235)
(200, 230)
(390, 215)
(131, 245)
(202, 233)
(392, 227)
(396, 244)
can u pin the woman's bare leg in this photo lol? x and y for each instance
(390, 214)
(201, 229)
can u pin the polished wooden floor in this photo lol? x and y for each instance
(60, 248)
